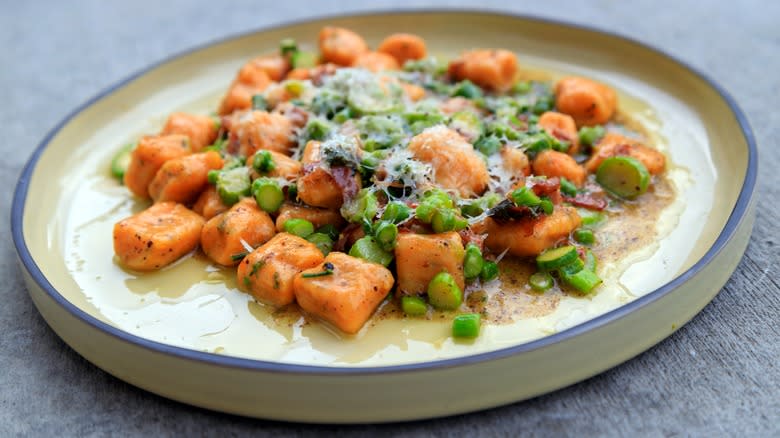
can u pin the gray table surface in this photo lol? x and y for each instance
(718, 375)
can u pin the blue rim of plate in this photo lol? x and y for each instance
(734, 220)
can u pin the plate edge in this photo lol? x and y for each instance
(735, 218)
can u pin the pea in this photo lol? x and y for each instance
(466, 325)
(385, 235)
(590, 135)
(624, 177)
(268, 194)
(444, 293)
(414, 306)
(396, 212)
(263, 162)
(299, 227)
(489, 271)
(368, 249)
(363, 208)
(233, 184)
(467, 89)
(472, 261)
(525, 197)
(540, 281)
(322, 241)
(584, 236)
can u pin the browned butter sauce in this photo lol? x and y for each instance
(630, 226)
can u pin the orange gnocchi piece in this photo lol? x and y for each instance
(251, 79)
(183, 179)
(587, 102)
(209, 203)
(201, 130)
(552, 163)
(531, 235)
(612, 145)
(267, 273)
(341, 46)
(317, 216)
(419, 257)
(149, 156)
(157, 236)
(255, 130)
(562, 127)
(376, 61)
(455, 164)
(348, 296)
(403, 47)
(223, 237)
(494, 69)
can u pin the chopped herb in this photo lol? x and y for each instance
(256, 267)
(288, 46)
(316, 274)
(259, 103)
(327, 269)
(238, 257)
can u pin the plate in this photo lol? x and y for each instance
(190, 339)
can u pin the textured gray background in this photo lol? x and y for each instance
(718, 375)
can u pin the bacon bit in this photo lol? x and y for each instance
(226, 122)
(349, 235)
(319, 72)
(224, 131)
(345, 179)
(588, 201)
(526, 225)
(455, 104)
(520, 123)
(381, 174)
(545, 187)
(468, 236)
(549, 187)
(297, 115)
(560, 134)
(233, 143)
(413, 225)
(507, 210)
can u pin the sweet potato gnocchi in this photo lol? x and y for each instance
(338, 180)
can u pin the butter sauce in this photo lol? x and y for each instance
(195, 304)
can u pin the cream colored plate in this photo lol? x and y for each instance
(183, 334)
